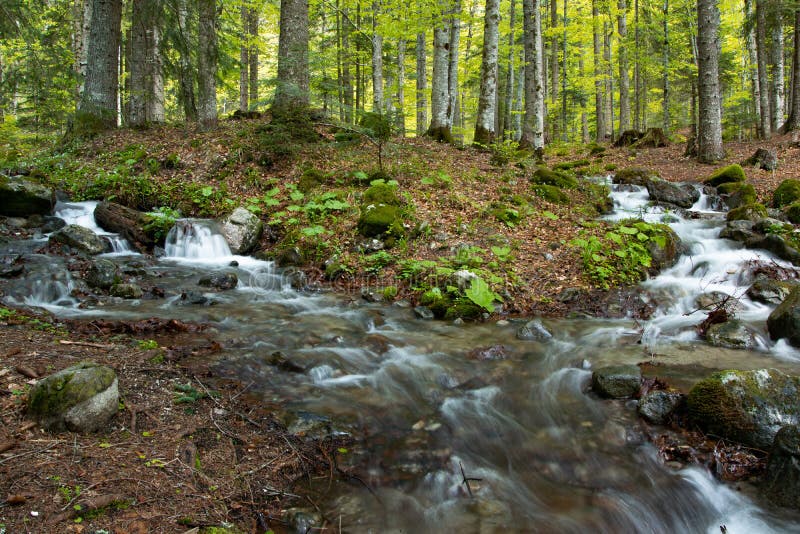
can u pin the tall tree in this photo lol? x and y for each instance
(82, 16)
(624, 79)
(252, 54)
(244, 62)
(400, 118)
(765, 123)
(512, 54)
(99, 102)
(709, 128)
(292, 92)
(207, 56)
(377, 61)
(146, 98)
(487, 103)
(599, 111)
(777, 93)
(422, 83)
(186, 73)
(752, 57)
(440, 128)
(793, 122)
(665, 68)
(533, 124)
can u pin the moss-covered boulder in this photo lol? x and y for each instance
(736, 194)
(560, 179)
(634, 176)
(463, 308)
(664, 246)
(781, 482)
(378, 220)
(550, 193)
(102, 274)
(505, 214)
(381, 193)
(126, 291)
(769, 291)
(748, 212)
(21, 198)
(81, 398)
(784, 321)
(436, 301)
(786, 193)
(617, 381)
(569, 165)
(731, 173)
(792, 212)
(310, 180)
(80, 239)
(748, 407)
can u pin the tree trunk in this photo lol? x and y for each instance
(609, 79)
(778, 104)
(506, 125)
(186, 73)
(440, 90)
(82, 11)
(99, 102)
(793, 122)
(599, 111)
(244, 63)
(347, 78)
(753, 61)
(400, 120)
(146, 96)
(624, 79)
(765, 122)
(207, 55)
(533, 125)
(292, 92)
(554, 46)
(665, 68)
(452, 83)
(422, 83)
(637, 80)
(709, 128)
(252, 53)
(487, 101)
(377, 61)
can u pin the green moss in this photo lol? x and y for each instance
(545, 176)
(731, 173)
(311, 179)
(792, 212)
(569, 165)
(382, 193)
(378, 220)
(786, 193)
(436, 301)
(709, 401)
(595, 149)
(730, 187)
(748, 212)
(738, 193)
(634, 176)
(550, 193)
(506, 215)
(67, 388)
(463, 308)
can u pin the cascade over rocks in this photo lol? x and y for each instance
(20, 197)
(126, 222)
(242, 230)
(745, 406)
(81, 239)
(682, 195)
(769, 291)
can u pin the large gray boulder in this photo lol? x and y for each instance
(617, 381)
(683, 195)
(745, 406)
(784, 321)
(242, 230)
(81, 398)
(781, 483)
(80, 238)
(21, 198)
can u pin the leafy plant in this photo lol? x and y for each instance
(481, 294)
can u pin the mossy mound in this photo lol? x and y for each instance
(380, 220)
(436, 301)
(738, 194)
(786, 193)
(463, 308)
(569, 165)
(550, 193)
(748, 212)
(792, 212)
(634, 176)
(731, 173)
(311, 179)
(504, 214)
(381, 193)
(546, 176)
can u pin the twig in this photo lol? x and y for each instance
(86, 344)
(243, 390)
(257, 469)
(29, 453)
(465, 479)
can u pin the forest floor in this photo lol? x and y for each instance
(223, 457)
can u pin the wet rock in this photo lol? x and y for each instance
(424, 313)
(493, 353)
(51, 224)
(302, 521)
(741, 231)
(657, 407)
(297, 278)
(617, 381)
(664, 252)
(222, 281)
(80, 238)
(309, 425)
(784, 321)
(10, 266)
(20, 197)
(768, 291)
(126, 291)
(289, 257)
(781, 482)
(634, 176)
(747, 212)
(534, 331)
(193, 297)
(128, 223)
(102, 274)
(731, 334)
(372, 295)
(81, 398)
(775, 244)
(242, 230)
(714, 299)
(277, 359)
(683, 196)
(745, 406)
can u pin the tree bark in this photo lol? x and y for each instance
(765, 122)
(452, 82)
(709, 128)
(146, 97)
(99, 101)
(400, 117)
(377, 61)
(599, 111)
(82, 11)
(422, 83)
(487, 101)
(292, 92)
(244, 63)
(777, 93)
(207, 55)
(252, 53)
(347, 77)
(554, 46)
(793, 122)
(665, 68)
(637, 79)
(186, 73)
(624, 79)
(440, 128)
(506, 125)
(533, 125)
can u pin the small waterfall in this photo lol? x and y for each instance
(55, 291)
(196, 239)
(82, 214)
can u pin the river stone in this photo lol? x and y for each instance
(463, 279)
(768, 291)
(781, 483)
(534, 331)
(102, 274)
(741, 231)
(423, 312)
(223, 281)
(784, 321)
(745, 406)
(666, 254)
(664, 191)
(617, 381)
(731, 334)
(126, 291)
(81, 398)
(21, 198)
(657, 406)
(777, 245)
(242, 230)
(302, 520)
(80, 238)
(51, 224)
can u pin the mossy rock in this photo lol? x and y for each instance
(21, 198)
(436, 301)
(545, 176)
(792, 212)
(81, 398)
(550, 193)
(748, 407)
(596, 149)
(506, 215)
(634, 176)
(784, 321)
(381, 194)
(311, 179)
(748, 212)
(380, 219)
(664, 246)
(569, 165)
(738, 194)
(463, 308)
(731, 173)
(788, 192)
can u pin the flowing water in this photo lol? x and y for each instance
(542, 453)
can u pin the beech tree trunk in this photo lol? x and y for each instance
(599, 111)
(146, 98)
(793, 122)
(292, 91)
(400, 119)
(487, 101)
(440, 128)
(624, 79)
(252, 53)
(422, 83)
(506, 125)
(244, 63)
(99, 101)
(753, 66)
(377, 61)
(533, 125)
(709, 128)
(665, 67)
(554, 46)
(207, 55)
(765, 122)
(347, 78)
(452, 82)
(777, 93)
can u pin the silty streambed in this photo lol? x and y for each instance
(549, 456)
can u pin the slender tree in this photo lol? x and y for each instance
(292, 91)
(377, 61)
(186, 73)
(400, 116)
(665, 68)
(207, 57)
(98, 107)
(599, 111)
(709, 128)
(533, 124)
(487, 103)
(777, 92)
(440, 128)
(252, 54)
(765, 123)
(422, 83)
(244, 62)
(624, 78)
(793, 122)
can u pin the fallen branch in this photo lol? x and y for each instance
(86, 344)
(465, 479)
(29, 453)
